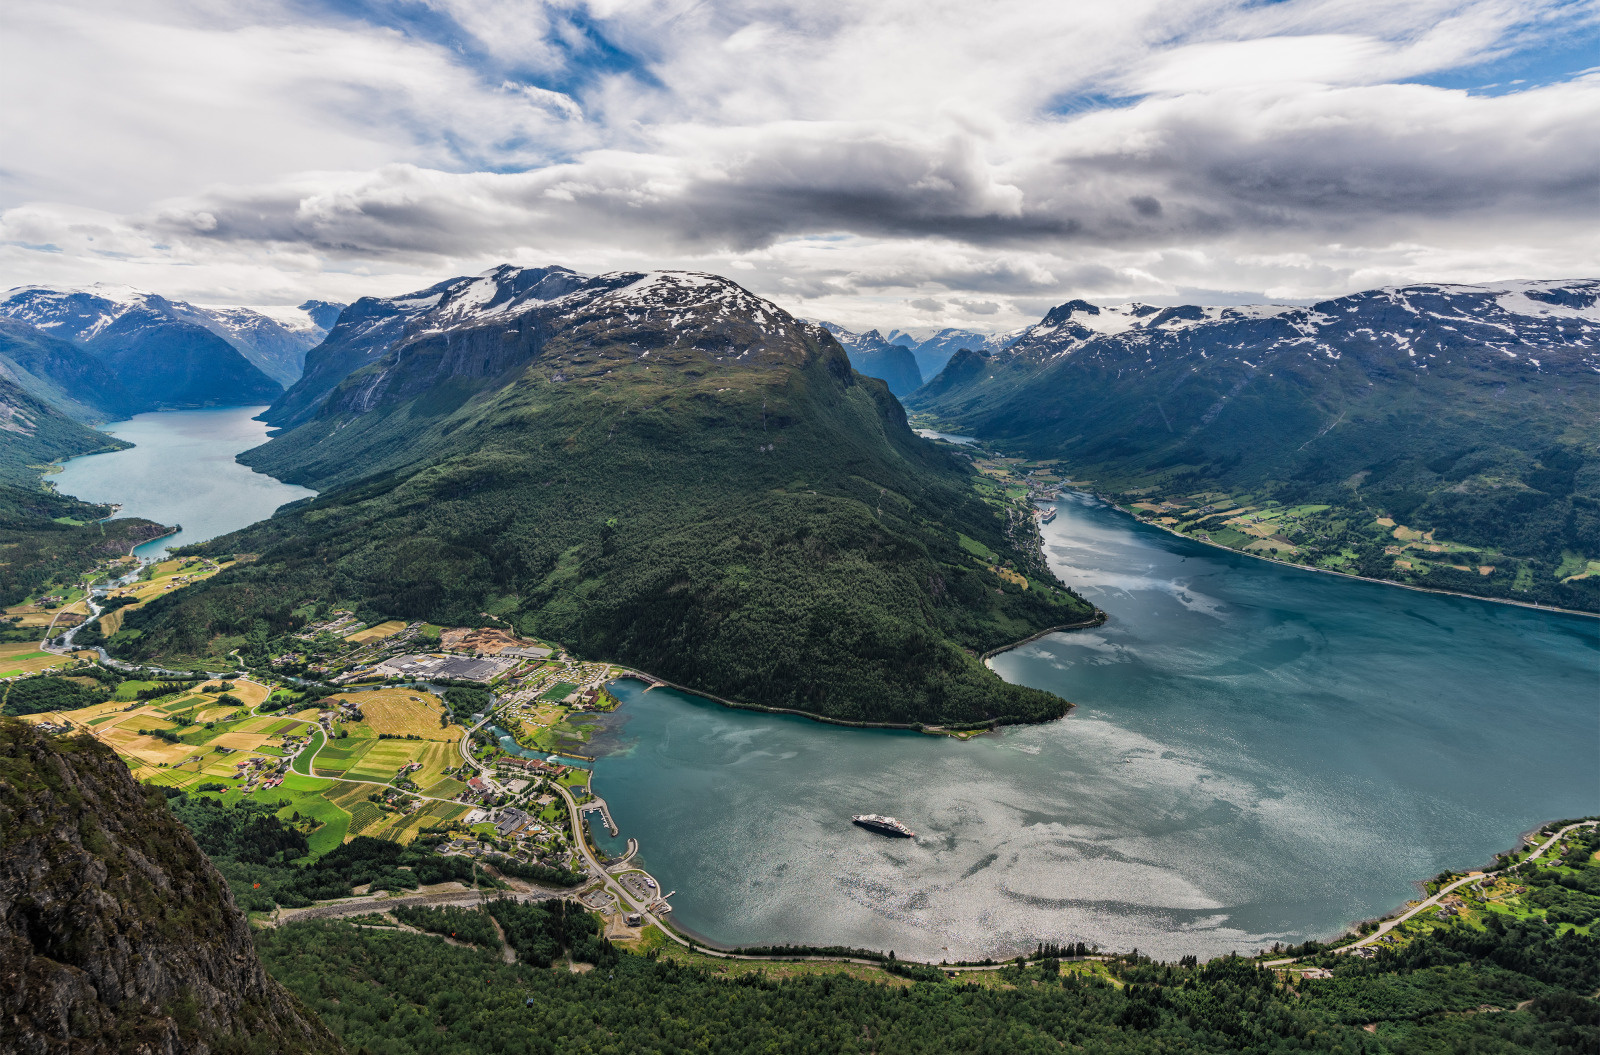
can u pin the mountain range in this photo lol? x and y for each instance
(1437, 435)
(659, 469)
(893, 364)
(103, 352)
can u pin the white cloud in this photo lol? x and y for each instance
(861, 162)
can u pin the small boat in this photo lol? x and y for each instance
(883, 826)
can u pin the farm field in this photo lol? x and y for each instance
(400, 711)
(376, 633)
(169, 575)
(233, 759)
(382, 759)
(25, 658)
(30, 615)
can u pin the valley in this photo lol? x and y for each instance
(420, 716)
(1395, 434)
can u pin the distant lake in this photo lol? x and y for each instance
(181, 470)
(1259, 754)
(930, 434)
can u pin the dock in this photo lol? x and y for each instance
(599, 806)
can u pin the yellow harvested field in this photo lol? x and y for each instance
(376, 633)
(167, 576)
(240, 741)
(250, 692)
(148, 749)
(436, 758)
(400, 711)
(26, 658)
(30, 615)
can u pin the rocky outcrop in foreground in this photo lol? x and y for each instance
(116, 933)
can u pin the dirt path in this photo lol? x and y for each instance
(507, 953)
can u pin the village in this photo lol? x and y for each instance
(471, 738)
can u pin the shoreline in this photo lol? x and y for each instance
(1398, 914)
(927, 728)
(1329, 571)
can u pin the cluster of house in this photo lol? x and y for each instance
(270, 770)
(334, 707)
(343, 621)
(588, 699)
(541, 767)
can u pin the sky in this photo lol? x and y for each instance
(899, 163)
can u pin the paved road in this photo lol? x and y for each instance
(363, 905)
(1391, 924)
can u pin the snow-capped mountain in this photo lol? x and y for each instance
(871, 354)
(1516, 319)
(162, 353)
(273, 339)
(1463, 409)
(479, 325)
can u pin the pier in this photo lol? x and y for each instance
(599, 806)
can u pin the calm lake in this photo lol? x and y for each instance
(181, 471)
(1259, 754)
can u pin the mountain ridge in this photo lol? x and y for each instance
(893, 364)
(655, 468)
(1456, 409)
(170, 353)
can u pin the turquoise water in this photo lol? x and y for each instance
(1259, 754)
(181, 471)
(933, 434)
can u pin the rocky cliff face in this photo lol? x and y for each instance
(116, 933)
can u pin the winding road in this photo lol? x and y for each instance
(1390, 924)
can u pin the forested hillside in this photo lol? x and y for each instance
(1443, 436)
(661, 470)
(1511, 987)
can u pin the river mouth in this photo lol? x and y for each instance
(1259, 755)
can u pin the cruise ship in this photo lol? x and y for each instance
(883, 825)
(1047, 515)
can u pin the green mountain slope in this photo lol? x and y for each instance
(660, 470)
(116, 933)
(45, 537)
(61, 373)
(1441, 436)
(33, 434)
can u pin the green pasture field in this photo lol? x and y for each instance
(336, 760)
(303, 759)
(308, 797)
(448, 788)
(976, 548)
(363, 815)
(382, 759)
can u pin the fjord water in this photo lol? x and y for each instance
(1259, 754)
(181, 471)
